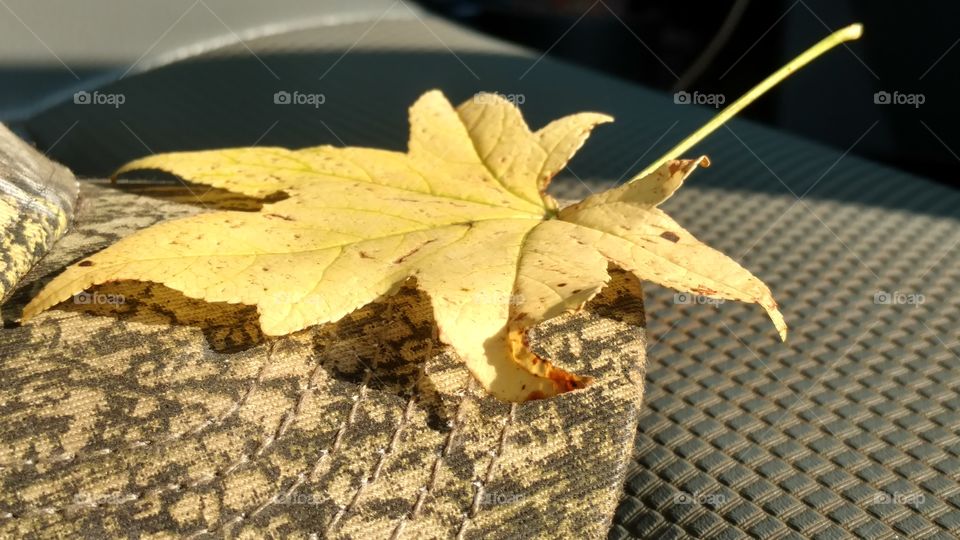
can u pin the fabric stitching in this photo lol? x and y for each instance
(425, 490)
(491, 468)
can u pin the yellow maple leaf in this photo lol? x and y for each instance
(463, 212)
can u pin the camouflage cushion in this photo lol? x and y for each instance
(133, 410)
(36, 206)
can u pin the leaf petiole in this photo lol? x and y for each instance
(849, 33)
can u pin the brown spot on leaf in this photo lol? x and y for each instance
(365, 255)
(536, 394)
(670, 235)
(85, 263)
(278, 216)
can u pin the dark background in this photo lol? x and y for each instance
(907, 47)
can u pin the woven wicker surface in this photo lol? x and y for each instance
(851, 428)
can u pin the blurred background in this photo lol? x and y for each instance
(725, 46)
(890, 97)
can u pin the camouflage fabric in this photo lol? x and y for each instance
(36, 206)
(135, 411)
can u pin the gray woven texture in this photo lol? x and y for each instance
(849, 429)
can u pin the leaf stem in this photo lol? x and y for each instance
(849, 33)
